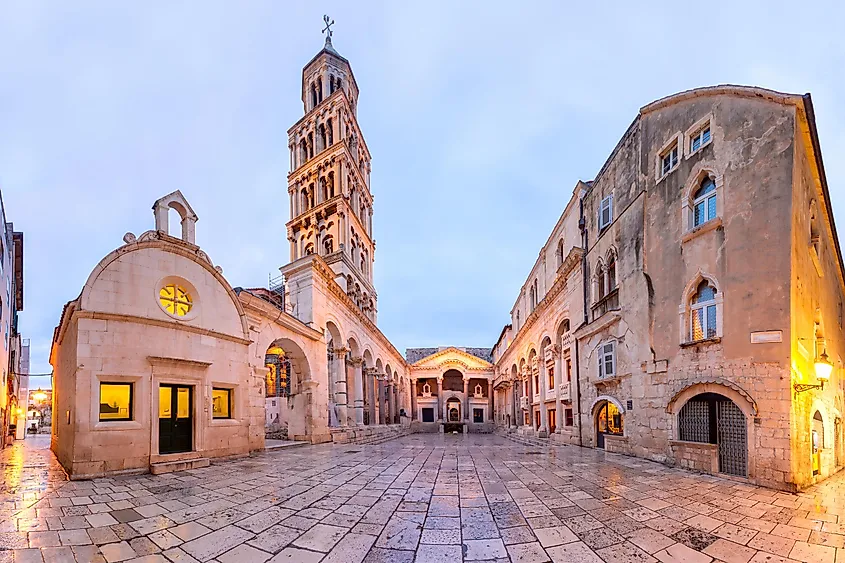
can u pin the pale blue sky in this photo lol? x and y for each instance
(480, 118)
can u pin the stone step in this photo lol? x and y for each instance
(181, 465)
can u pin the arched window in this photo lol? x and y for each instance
(330, 184)
(601, 288)
(319, 91)
(517, 320)
(329, 132)
(303, 152)
(313, 95)
(815, 238)
(323, 138)
(532, 298)
(324, 192)
(704, 202)
(309, 249)
(703, 312)
(328, 245)
(304, 199)
(611, 273)
(331, 84)
(310, 145)
(560, 255)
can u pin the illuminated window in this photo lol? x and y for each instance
(703, 312)
(221, 403)
(175, 300)
(115, 401)
(704, 202)
(700, 139)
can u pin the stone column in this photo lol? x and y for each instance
(492, 415)
(466, 400)
(413, 399)
(340, 395)
(357, 364)
(541, 371)
(440, 399)
(382, 415)
(394, 408)
(391, 404)
(371, 394)
(559, 378)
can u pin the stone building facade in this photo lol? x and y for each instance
(680, 311)
(13, 383)
(712, 285)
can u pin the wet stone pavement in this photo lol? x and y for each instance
(425, 498)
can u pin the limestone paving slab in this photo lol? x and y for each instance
(422, 497)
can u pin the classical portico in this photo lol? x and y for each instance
(451, 389)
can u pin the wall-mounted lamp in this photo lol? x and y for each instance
(823, 369)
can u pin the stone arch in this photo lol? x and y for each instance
(609, 398)
(563, 327)
(150, 240)
(333, 333)
(352, 344)
(176, 201)
(716, 385)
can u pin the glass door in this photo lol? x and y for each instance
(175, 420)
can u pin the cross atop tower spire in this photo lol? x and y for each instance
(328, 30)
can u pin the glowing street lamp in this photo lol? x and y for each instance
(823, 368)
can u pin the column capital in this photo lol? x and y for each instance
(340, 351)
(357, 362)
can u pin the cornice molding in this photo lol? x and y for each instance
(451, 350)
(174, 325)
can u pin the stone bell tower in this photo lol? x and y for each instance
(331, 207)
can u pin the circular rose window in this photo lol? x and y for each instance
(175, 299)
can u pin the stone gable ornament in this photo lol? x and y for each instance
(129, 238)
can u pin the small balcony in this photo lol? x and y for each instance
(523, 403)
(564, 391)
(609, 302)
(566, 340)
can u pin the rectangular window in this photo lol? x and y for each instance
(669, 160)
(221, 403)
(606, 212)
(607, 360)
(569, 369)
(115, 401)
(567, 416)
(703, 322)
(700, 139)
(551, 378)
(478, 415)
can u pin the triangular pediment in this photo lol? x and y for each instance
(454, 356)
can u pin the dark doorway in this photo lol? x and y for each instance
(608, 421)
(427, 414)
(478, 416)
(175, 420)
(711, 418)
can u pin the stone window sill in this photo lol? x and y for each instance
(705, 227)
(702, 342)
(118, 425)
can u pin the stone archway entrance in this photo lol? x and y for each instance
(711, 418)
(817, 442)
(453, 410)
(609, 421)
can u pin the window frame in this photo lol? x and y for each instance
(230, 395)
(131, 409)
(704, 307)
(675, 143)
(695, 131)
(705, 199)
(604, 354)
(605, 203)
(687, 309)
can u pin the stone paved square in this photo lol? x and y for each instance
(422, 497)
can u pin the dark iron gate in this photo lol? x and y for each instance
(732, 438)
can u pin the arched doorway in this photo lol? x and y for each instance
(609, 421)
(453, 410)
(711, 418)
(817, 442)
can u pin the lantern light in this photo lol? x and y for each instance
(823, 367)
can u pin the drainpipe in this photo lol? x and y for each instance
(582, 224)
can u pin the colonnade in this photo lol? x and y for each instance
(375, 394)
